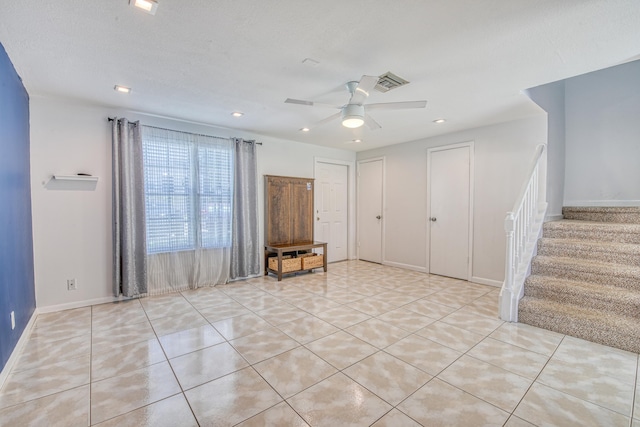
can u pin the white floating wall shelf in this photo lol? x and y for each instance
(72, 182)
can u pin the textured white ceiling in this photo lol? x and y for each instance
(199, 60)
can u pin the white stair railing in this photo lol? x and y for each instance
(523, 226)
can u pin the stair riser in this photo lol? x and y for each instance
(596, 302)
(572, 251)
(588, 330)
(602, 278)
(581, 234)
(625, 218)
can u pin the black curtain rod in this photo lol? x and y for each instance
(111, 119)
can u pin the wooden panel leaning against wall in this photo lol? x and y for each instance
(288, 210)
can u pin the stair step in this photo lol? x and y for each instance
(619, 214)
(587, 230)
(585, 280)
(593, 325)
(620, 253)
(588, 295)
(603, 273)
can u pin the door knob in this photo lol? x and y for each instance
(378, 217)
(433, 219)
(318, 218)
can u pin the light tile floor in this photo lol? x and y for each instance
(360, 345)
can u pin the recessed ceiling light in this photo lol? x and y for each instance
(305, 130)
(149, 6)
(237, 114)
(122, 89)
(439, 121)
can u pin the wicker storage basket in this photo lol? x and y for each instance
(313, 261)
(306, 255)
(288, 265)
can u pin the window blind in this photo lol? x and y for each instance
(188, 190)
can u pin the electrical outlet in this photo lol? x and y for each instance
(13, 320)
(71, 285)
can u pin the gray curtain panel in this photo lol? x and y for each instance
(245, 252)
(129, 245)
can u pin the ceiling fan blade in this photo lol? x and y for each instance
(372, 124)
(328, 119)
(396, 105)
(298, 101)
(361, 92)
(309, 103)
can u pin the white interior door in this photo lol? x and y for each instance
(449, 211)
(332, 204)
(370, 190)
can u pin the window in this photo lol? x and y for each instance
(188, 182)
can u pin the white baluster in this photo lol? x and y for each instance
(522, 226)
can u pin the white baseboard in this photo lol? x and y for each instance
(483, 281)
(553, 217)
(78, 304)
(17, 350)
(605, 203)
(405, 266)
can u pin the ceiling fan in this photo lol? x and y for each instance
(355, 113)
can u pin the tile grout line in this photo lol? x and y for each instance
(636, 387)
(182, 391)
(388, 287)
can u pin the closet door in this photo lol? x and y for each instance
(332, 208)
(370, 209)
(449, 211)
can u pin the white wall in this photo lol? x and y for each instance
(502, 153)
(551, 98)
(72, 229)
(603, 137)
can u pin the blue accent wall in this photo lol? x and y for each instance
(17, 289)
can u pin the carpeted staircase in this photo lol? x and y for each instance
(585, 279)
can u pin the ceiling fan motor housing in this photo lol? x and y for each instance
(351, 86)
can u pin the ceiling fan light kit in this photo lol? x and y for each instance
(352, 116)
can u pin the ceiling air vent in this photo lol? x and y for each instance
(389, 81)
